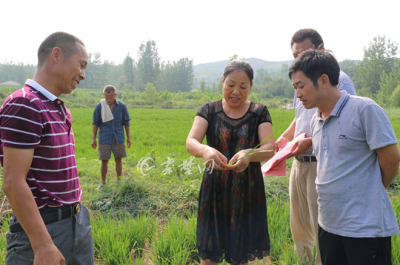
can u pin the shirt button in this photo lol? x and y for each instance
(58, 102)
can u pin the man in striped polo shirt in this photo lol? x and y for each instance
(302, 188)
(40, 178)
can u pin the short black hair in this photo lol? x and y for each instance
(239, 65)
(314, 63)
(65, 41)
(303, 34)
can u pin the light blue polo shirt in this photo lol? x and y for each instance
(352, 200)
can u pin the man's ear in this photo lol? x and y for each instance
(325, 81)
(56, 55)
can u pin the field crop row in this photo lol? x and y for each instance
(149, 216)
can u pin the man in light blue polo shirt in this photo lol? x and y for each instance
(302, 190)
(358, 158)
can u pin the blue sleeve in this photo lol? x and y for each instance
(125, 116)
(349, 87)
(97, 116)
(376, 127)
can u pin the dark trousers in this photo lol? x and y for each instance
(340, 250)
(72, 236)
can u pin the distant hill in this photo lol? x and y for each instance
(212, 72)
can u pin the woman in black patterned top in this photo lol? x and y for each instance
(232, 213)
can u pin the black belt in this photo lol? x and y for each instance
(50, 215)
(306, 158)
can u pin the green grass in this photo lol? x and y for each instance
(151, 213)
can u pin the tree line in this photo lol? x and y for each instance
(376, 76)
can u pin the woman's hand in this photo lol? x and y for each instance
(242, 164)
(214, 159)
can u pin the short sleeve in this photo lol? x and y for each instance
(203, 111)
(345, 83)
(97, 115)
(20, 124)
(264, 116)
(376, 127)
(126, 118)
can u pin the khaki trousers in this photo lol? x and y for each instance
(304, 209)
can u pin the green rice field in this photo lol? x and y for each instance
(149, 217)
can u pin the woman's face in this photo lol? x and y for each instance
(236, 88)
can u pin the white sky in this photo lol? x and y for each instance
(205, 31)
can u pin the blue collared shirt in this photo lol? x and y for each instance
(114, 128)
(352, 201)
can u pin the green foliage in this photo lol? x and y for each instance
(128, 70)
(172, 245)
(150, 94)
(16, 72)
(148, 65)
(395, 99)
(379, 57)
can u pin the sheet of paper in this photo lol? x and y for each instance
(276, 166)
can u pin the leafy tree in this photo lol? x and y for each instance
(128, 70)
(378, 57)
(149, 62)
(186, 76)
(395, 99)
(350, 67)
(202, 87)
(150, 94)
(387, 85)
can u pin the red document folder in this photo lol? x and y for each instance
(276, 166)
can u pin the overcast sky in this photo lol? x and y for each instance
(205, 31)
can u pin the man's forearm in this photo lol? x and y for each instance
(389, 160)
(289, 133)
(128, 136)
(94, 132)
(24, 207)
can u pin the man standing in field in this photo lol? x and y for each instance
(49, 224)
(358, 158)
(302, 190)
(111, 117)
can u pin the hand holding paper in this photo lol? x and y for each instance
(276, 165)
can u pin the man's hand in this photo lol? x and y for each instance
(128, 142)
(301, 146)
(280, 143)
(48, 255)
(94, 144)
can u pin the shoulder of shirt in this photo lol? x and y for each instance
(26, 95)
(257, 108)
(344, 78)
(122, 103)
(362, 102)
(212, 106)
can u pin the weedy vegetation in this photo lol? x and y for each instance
(149, 217)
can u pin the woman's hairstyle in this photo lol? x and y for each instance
(314, 63)
(239, 65)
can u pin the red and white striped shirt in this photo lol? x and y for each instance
(32, 117)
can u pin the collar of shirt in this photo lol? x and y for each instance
(338, 107)
(41, 89)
